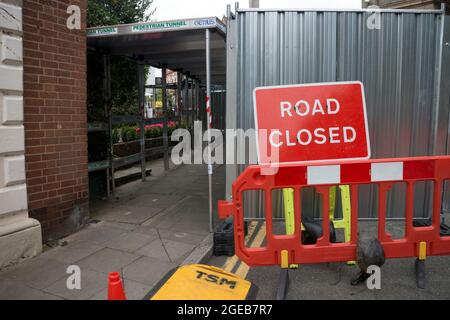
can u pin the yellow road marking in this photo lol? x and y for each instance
(243, 269)
(231, 262)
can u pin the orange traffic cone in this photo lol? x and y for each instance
(115, 287)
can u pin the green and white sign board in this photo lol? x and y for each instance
(176, 24)
(102, 31)
(151, 27)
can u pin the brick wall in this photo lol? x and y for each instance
(55, 116)
(20, 236)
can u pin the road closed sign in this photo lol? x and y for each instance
(311, 123)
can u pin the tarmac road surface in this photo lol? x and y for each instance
(332, 280)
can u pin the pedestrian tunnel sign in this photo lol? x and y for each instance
(311, 123)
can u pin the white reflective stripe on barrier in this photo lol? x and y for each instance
(324, 175)
(379, 172)
(392, 171)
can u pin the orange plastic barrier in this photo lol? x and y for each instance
(384, 173)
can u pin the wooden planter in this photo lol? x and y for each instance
(125, 149)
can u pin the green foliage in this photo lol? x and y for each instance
(115, 135)
(156, 132)
(124, 86)
(148, 134)
(112, 12)
(125, 98)
(183, 124)
(170, 130)
(129, 134)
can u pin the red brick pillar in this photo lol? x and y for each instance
(55, 116)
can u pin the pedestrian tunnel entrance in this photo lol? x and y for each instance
(191, 57)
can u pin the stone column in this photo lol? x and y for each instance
(20, 236)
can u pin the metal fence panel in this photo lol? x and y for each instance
(399, 65)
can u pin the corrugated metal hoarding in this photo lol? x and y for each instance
(404, 66)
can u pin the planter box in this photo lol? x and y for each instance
(125, 149)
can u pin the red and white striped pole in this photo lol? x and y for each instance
(209, 112)
(209, 116)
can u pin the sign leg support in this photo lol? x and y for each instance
(283, 284)
(421, 276)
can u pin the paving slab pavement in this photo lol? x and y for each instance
(148, 229)
(13, 290)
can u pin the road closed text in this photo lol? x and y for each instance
(311, 122)
(318, 136)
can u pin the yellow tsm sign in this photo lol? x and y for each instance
(200, 282)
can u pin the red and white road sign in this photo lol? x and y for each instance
(311, 123)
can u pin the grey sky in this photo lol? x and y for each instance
(176, 9)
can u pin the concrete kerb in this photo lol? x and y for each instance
(202, 253)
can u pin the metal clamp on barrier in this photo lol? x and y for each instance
(288, 249)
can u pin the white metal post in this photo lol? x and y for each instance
(185, 113)
(209, 121)
(193, 101)
(165, 130)
(178, 113)
(141, 90)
